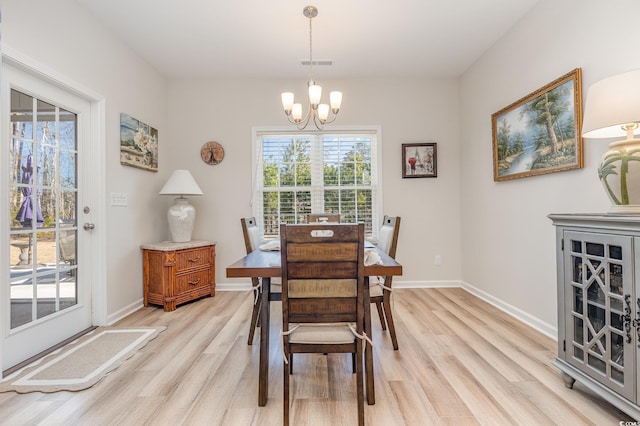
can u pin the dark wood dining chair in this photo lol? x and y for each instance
(252, 241)
(323, 296)
(380, 287)
(323, 217)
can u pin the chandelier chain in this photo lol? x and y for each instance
(310, 48)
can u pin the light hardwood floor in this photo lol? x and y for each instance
(461, 362)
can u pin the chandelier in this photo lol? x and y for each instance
(317, 113)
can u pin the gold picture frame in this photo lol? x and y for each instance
(540, 133)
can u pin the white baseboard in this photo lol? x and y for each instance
(127, 310)
(543, 327)
(233, 286)
(427, 284)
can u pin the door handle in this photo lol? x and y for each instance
(88, 226)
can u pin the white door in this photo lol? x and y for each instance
(45, 135)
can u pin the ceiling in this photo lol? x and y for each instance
(269, 39)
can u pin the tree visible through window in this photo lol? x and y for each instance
(316, 173)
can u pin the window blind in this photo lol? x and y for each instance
(298, 174)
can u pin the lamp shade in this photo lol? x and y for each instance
(612, 103)
(613, 111)
(181, 183)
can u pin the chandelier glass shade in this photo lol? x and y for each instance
(318, 113)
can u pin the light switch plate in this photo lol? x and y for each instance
(119, 199)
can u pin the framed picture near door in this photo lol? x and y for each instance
(419, 160)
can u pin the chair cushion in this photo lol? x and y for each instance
(322, 333)
(254, 237)
(273, 245)
(384, 238)
(375, 290)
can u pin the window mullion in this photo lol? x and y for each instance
(317, 174)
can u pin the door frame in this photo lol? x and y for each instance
(96, 180)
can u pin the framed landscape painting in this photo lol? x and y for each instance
(540, 133)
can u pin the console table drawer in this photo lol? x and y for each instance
(192, 281)
(194, 258)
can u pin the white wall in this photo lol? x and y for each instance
(190, 113)
(495, 236)
(62, 37)
(508, 246)
(408, 110)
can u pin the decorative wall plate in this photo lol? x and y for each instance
(212, 153)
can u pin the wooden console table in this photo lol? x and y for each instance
(177, 273)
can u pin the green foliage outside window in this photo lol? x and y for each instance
(343, 180)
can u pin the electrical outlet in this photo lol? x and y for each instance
(119, 199)
(438, 260)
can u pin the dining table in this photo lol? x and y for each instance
(266, 264)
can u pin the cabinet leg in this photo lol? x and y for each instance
(169, 304)
(568, 380)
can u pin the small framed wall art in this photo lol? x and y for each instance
(419, 160)
(138, 144)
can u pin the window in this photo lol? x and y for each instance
(298, 174)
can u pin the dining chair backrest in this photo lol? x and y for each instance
(323, 218)
(388, 235)
(251, 233)
(380, 291)
(322, 287)
(324, 262)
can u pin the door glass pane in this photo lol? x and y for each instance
(615, 252)
(615, 278)
(576, 246)
(595, 249)
(43, 208)
(577, 269)
(617, 375)
(578, 331)
(617, 349)
(577, 300)
(597, 363)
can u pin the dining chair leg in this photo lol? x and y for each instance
(359, 381)
(263, 382)
(286, 371)
(381, 315)
(368, 351)
(386, 300)
(255, 315)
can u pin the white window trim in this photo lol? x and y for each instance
(281, 130)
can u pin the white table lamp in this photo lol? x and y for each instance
(613, 111)
(181, 215)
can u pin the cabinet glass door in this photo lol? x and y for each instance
(599, 289)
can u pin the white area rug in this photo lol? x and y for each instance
(82, 363)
